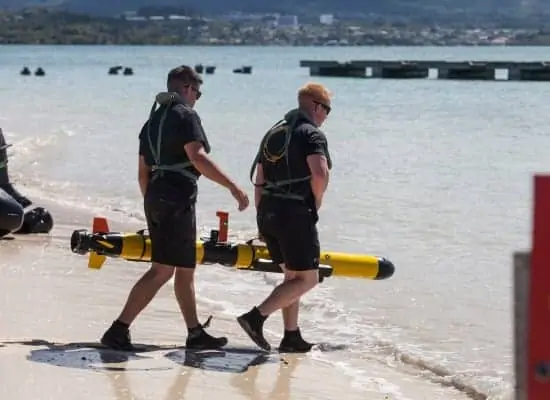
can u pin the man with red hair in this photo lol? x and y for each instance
(292, 174)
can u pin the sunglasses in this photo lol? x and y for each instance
(326, 107)
(196, 90)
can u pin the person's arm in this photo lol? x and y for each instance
(143, 175)
(143, 168)
(258, 181)
(319, 164)
(206, 166)
(319, 177)
(194, 138)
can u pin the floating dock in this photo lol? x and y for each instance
(456, 70)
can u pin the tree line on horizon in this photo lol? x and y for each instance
(413, 8)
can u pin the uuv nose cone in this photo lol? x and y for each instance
(385, 269)
(78, 242)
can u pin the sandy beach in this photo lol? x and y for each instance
(53, 310)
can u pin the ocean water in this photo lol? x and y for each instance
(435, 175)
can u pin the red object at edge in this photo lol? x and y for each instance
(538, 357)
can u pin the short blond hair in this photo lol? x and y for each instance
(315, 91)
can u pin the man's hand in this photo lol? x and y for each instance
(318, 203)
(241, 197)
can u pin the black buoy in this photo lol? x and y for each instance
(128, 71)
(247, 69)
(199, 68)
(25, 71)
(37, 220)
(39, 72)
(114, 70)
(210, 69)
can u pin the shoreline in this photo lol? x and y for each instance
(450, 45)
(54, 311)
(41, 26)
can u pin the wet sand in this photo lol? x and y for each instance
(53, 311)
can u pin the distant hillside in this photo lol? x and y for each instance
(381, 7)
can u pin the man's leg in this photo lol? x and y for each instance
(298, 241)
(158, 216)
(252, 322)
(183, 245)
(306, 257)
(184, 258)
(289, 292)
(144, 290)
(290, 312)
(118, 335)
(184, 289)
(292, 339)
(283, 296)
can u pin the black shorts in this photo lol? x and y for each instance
(171, 222)
(290, 234)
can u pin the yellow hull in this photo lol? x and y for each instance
(100, 244)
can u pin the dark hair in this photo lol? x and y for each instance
(182, 75)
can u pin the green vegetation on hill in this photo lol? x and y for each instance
(43, 26)
(49, 27)
(384, 8)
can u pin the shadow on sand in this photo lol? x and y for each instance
(236, 360)
(94, 356)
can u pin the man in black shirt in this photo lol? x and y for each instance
(292, 165)
(173, 154)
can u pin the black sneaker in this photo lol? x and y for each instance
(198, 339)
(252, 323)
(293, 342)
(117, 337)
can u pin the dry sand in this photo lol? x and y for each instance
(53, 310)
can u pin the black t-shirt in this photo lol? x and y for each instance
(182, 125)
(306, 139)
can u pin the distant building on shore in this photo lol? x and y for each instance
(286, 21)
(326, 19)
(136, 16)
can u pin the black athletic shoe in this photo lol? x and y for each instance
(293, 342)
(117, 337)
(198, 339)
(252, 323)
